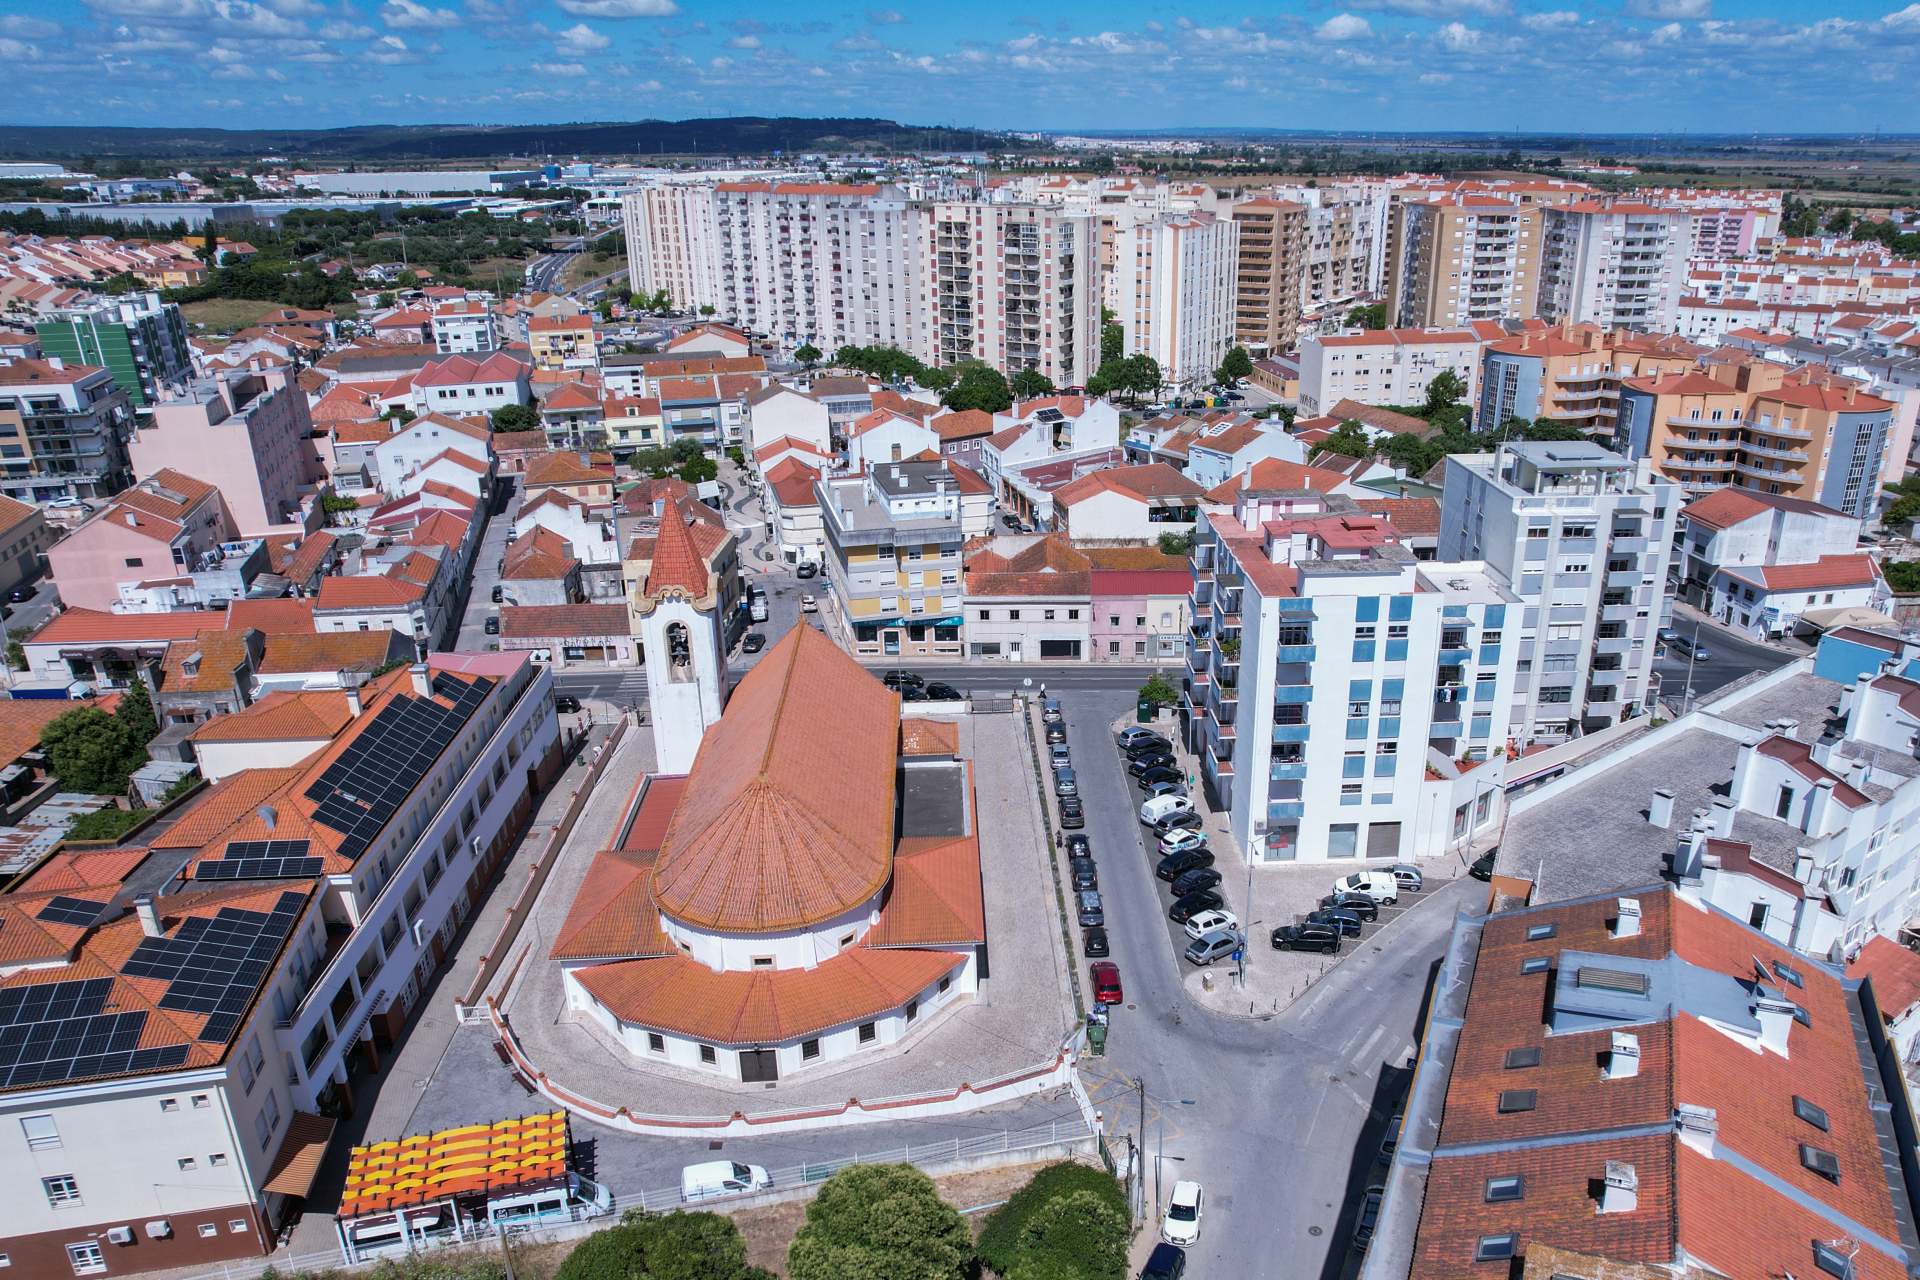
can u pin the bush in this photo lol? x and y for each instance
(672, 1246)
(1176, 544)
(91, 752)
(1160, 691)
(880, 1222)
(105, 824)
(1074, 1237)
(1003, 1242)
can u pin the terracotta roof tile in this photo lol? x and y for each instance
(1154, 480)
(1895, 972)
(272, 617)
(369, 592)
(21, 720)
(919, 737)
(281, 716)
(563, 621)
(91, 626)
(224, 803)
(333, 651)
(221, 659)
(1414, 517)
(934, 898)
(676, 565)
(68, 870)
(613, 916)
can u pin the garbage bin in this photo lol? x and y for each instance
(1144, 710)
(1097, 1039)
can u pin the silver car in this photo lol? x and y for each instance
(1061, 760)
(1214, 945)
(1064, 783)
(1090, 911)
(1407, 876)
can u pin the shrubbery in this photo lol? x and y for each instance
(1069, 1222)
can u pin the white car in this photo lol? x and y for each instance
(809, 605)
(1180, 839)
(1181, 1226)
(1208, 921)
(1378, 885)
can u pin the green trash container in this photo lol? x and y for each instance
(1097, 1039)
(1144, 710)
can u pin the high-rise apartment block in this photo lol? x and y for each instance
(1581, 535)
(1176, 283)
(141, 340)
(671, 243)
(1017, 286)
(1571, 374)
(63, 431)
(1272, 251)
(1461, 259)
(1339, 254)
(1615, 265)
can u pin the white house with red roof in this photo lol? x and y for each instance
(777, 412)
(425, 438)
(714, 339)
(1067, 424)
(887, 435)
(1216, 454)
(772, 454)
(464, 326)
(1126, 504)
(1735, 530)
(469, 385)
(1771, 599)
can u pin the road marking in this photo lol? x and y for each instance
(1371, 1041)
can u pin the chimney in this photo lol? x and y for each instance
(1660, 808)
(1723, 811)
(269, 815)
(1626, 923)
(1856, 773)
(1622, 1194)
(1818, 807)
(422, 682)
(1776, 1019)
(1623, 1063)
(1788, 728)
(1698, 1127)
(659, 507)
(1803, 867)
(353, 701)
(149, 917)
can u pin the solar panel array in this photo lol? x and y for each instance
(260, 860)
(213, 965)
(76, 911)
(366, 785)
(54, 1031)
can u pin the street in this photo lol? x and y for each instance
(1729, 657)
(479, 605)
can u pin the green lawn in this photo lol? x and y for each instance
(226, 315)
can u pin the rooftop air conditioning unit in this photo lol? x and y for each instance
(159, 1229)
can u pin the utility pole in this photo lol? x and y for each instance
(1692, 654)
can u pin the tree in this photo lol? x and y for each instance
(1176, 544)
(699, 469)
(980, 386)
(1410, 454)
(1903, 576)
(336, 504)
(1905, 507)
(135, 714)
(516, 417)
(709, 310)
(1348, 439)
(1444, 394)
(209, 250)
(1031, 384)
(1002, 1239)
(880, 1222)
(91, 752)
(1159, 691)
(808, 355)
(1373, 316)
(1113, 339)
(935, 379)
(671, 1246)
(386, 299)
(1235, 365)
(1073, 1237)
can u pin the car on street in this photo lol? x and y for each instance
(900, 679)
(499, 594)
(1087, 903)
(1154, 777)
(1345, 921)
(1181, 839)
(1168, 788)
(1482, 867)
(943, 692)
(809, 605)
(1065, 783)
(1079, 847)
(1138, 733)
(1407, 876)
(1369, 1219)
(1358, 903)
(1207, 921)
(1187, 819)
(1085, 874)
(1056, 732)
(1182, 1223)
(1306, 937)
(1215, 944)
(19, 595)
(1194, 881)
(1072, 816)
(754, 643)
(1391, 1143)
(1152, 760)
(1093, 942)
(1175, 865)
(1688, 647)
(1167, 1262)
(566, 704)
(1059, 756)
(1050, 709)
(492, 625)
(1378, 885)
(1184, 909)
(1157, 807)
(1106, 982)
(806, 569)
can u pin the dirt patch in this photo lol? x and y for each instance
(226, 315)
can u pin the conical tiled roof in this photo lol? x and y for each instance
(676, 561)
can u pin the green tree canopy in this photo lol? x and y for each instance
(672, 1246)
(1349, 439)
(516, 417)
(980, 386)
(1902, 575)
(1113, 341)
(880, 1222)
(699, 469)
(90, 751)
(708, 309)
(1160, 691)
(1373, 316)
(135, 712)
(1235, 365)
(1176, 544)
(808, 355)
(1004, 1241)
(1080, 1236)
(658, 463)
(1410, 454)
(1905, 506)
(1444, 392)
(935, 379)
(1031, 384)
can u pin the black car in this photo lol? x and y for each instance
(900, 679)
(1056, 732)
(1085, 876)
(1167, 1262)
(492, 626)
(499, 594)
(1358, 903)
(943, 692)
(1176, 821)
(1149, 747)
(909, 693)
(1347, 922)
(1160, 773)
(1369, 1219)
(1306, 937)
(754, 642)
(1079, 846)
(1184, 909)
(1482, 868)
(1095, 942)
(806, 570)
(1194, 881)
(1158, 760)
(1175, 865)
(1072, 816)
(567, 703)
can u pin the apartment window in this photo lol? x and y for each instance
(217, 1160)
(913, 1009)
(809, 1050)
(1526, 1057)
(1536, 932)
(169, 1104)
(87, 1258)
(1815, 1116)
(1113, 619)
(1784, 805)
(986, 615)
(1511, 1187)
(1358, 710)
(238, 1226)
(1013, 615)
(1539, 531)
(707, 1055)
(208, 1229)
(1757, 918)
(61, 1190)
(868, 1033)
(42, 1133)
(1495, 1248)
(1512, 1100)
(187, 1163)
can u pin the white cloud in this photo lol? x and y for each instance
(1550, 21)
(884, 17)
(1668, 34)
(1908, 17)
(18, 24)
(858, 42)
(619, 8)
(1435, 8)
(1666, 10)
(568, 69)
(339, 30)
(1436, 77)
(1457, 36)
(744, 42)
(410, 15)
(580, 39)
(390, 51)
(1344, 26)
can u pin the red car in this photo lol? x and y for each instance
(1106, 982)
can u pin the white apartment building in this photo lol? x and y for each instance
(1581, 534)
(173, 1057)
(672, 243)
(1176, 285)
(1384, 366)
(1615, 265)
(465, 327)
(1017, 286)
(1342, 697)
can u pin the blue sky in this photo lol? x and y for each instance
(1618, 66)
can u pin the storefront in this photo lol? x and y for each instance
(908, 637)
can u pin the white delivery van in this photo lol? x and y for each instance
(1155, 808)
(721, 1178)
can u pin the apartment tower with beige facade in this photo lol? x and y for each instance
(1461, 259)
(1272, 250)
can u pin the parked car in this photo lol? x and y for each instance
(1154, 777)
(754, 643)
(806, 569)
(1391, 1143)
(1181, 839)
(1088, 902)
(1482, 866)
(1085, 875)
(1072, 816)
(20, 595)
(1106, 982)
(1056, 732)
(1058, 756)
(1358, 903)
(1191, 858)
(492, 626)
(1345, 921)
(1050, 709)
(896, 679)
(1194, 881)
(1093, 942)
(1378, 885)
(499, 594)
(1207, 921)
(1166, 1262)
(1369, 1219)
(1407, 876)
(566, 703)
(1158, 807)
(1135, 733)
(1079, 847)
(1164, 789)
(1065, 783)
(941, 692)
(910, 694)
(1216, 944)
(809, 605)
(1306, 937)
(1152, 747)
(1151, 760)
(1182, 1223)
(1186, 819)
(1184, 909)
(721, 1178)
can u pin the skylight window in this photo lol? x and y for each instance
(1822, 1162)
(1527, 1057)
(1815, 1116)
(1512, 1100)
(1512, 1187)
(1536, 932)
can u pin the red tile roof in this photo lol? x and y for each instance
(563, 621)
(676, 565)
(1895, 972)
(1825, 573)
(369, 592)
(79, 626)
(1154, 480)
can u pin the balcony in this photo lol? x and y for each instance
(1764, 473)
(1295, 653)
(1613, 644)
(1785, 455)
(1286, 772)
(1628, 546)
(1625, 579)
(1617, 612)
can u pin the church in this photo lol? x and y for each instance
(806, 889)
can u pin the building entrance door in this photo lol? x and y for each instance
(757, 1065)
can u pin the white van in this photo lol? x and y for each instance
(721, 1178)
(1155, 808)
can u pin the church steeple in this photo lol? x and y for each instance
(676, 616)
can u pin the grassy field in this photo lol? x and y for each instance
(583, 268)
(226, 315)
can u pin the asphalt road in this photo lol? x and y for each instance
(32, 614)
(997, 679)
(1279, 1119)
(479, 605)
(1730, 657)
(544, 272)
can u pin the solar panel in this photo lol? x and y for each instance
(368, 782)
(54, 1031)
(261, 860)
(213, 965)
(76, 911)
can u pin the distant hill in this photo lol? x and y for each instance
(391, 144)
